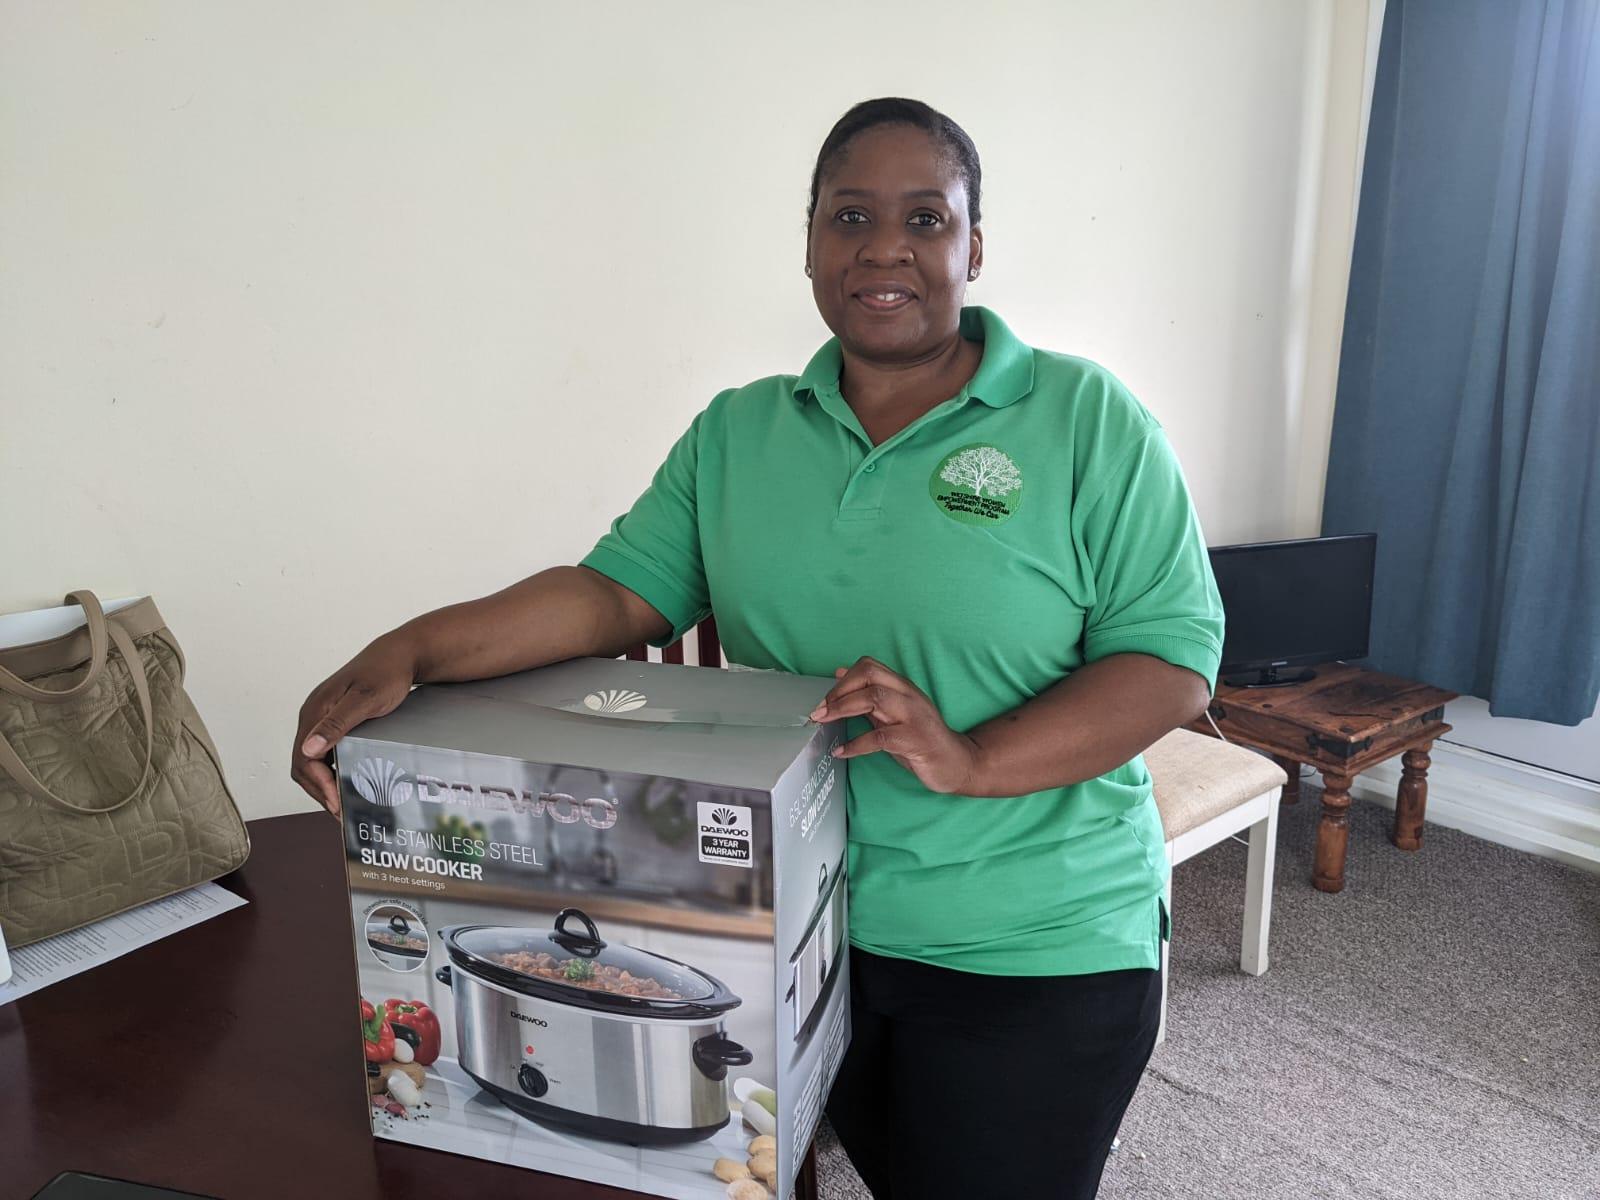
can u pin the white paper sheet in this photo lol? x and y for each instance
(40, 624)
(67, 954)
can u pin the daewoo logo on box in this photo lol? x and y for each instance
(384, 784)
(727, 834)
(614, 700)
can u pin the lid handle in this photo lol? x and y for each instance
(584, 945)
(399, 924)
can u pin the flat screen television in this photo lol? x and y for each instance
(1293, 604)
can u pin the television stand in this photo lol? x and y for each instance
(1269, 677)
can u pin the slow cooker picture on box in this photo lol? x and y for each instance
(603, 1039)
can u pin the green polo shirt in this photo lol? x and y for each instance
(1031, 524)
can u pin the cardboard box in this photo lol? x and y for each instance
(619, 887)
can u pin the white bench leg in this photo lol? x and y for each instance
(1258, 889)
(1161, 1029)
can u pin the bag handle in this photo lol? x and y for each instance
(96, 619)
(100, 630)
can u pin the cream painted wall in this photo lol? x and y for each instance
(314, 316)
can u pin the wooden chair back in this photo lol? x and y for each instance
(708, 647)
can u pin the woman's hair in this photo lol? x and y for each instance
(894, 110)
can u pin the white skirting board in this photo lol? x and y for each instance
(1502, 800)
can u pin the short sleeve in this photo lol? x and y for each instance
(653, 549)
(1153, 589)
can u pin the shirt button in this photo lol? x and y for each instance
(872, 466)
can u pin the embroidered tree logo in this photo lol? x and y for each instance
(983, 469)
(977, 485)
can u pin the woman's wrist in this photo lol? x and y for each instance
(980, 766)
(404, 648)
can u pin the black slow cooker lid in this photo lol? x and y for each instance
(572, 963)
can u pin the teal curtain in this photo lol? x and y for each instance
(1467, 423)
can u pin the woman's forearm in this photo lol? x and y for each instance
(1091, 722)
(561, 613)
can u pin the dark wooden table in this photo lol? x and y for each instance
(1343, 722)
(222, 1059)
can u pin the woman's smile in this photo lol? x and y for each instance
(885, 298)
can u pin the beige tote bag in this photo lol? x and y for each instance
(111, 793)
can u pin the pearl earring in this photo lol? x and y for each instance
(808, 272)
(972, 274)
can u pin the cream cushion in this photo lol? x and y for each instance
(1199, 777)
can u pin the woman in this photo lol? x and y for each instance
(992, 549)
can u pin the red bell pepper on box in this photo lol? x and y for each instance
(418, 1016)
(377, 1038)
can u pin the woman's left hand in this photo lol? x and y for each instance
(906, 726)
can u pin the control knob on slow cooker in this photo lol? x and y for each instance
(531, 1080)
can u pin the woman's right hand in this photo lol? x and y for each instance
(369, 685)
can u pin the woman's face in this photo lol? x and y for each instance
(890, 245)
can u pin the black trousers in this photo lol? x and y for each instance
(970, 1086)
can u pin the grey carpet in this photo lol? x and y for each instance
(1431, 1033)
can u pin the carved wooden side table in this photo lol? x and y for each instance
(1343, 722)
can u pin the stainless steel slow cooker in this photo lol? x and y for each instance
(604, 1039)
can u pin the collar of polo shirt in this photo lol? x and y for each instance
(1004, 376)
